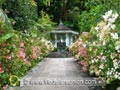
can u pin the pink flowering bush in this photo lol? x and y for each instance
(79, 51)
(100, 51)
(35, 52)
(18, 53)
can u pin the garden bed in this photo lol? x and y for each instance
(98, 51)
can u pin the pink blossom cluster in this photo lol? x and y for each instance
(21, 54)
(82, 52)
(8, 57)
(22, 44)
(5, 87)
(1, 70)
(79, 50)
(84, 65)
(35, 52)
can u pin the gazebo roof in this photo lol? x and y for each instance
(63, 29)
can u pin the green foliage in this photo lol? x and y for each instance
(14, 80)
(43, 26)
(83, 19)
(46, 2)
(5, 24)
(6, 37)
(22, 11)
(89, 19)
(1, 2)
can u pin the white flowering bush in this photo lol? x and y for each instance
(47, 46)
(103, 50)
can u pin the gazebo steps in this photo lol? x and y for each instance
(60, 54)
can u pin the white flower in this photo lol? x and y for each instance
(109, 73)
(96, 60)
(101, 53)
(105, 17)
(118, 51)
(113, 26)
(112, 56)
(91, 71)
(94, 43)
(97, 28)
(109, 13)
(117, 47)
(93, 61)
(119, 77)
(110, 17)
(43, 40)
(101, 66)
(84, 45)
(116, 75)
(101, 35)
(116, 63)
(111, 20)
(113, 69)
(114, 35)
(115, 15)
(103, 58)
(107, 27)
(104, 43)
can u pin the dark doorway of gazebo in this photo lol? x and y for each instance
(61, 46)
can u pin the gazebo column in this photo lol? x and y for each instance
(55, 40)
(71, 39)
(67, 39)
(75, 37)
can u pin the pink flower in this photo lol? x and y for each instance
(22, 44)
(21, 54)
(35, 52)
(34, 56)
(1, 70)
(5, 87)
(8, 57)
(84, 69)
(27, 62)
(82, 52)
(13, 23)
(84, 65)
(79, 62)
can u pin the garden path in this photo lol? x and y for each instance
(52, 71)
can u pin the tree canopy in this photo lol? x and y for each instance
(79, 15)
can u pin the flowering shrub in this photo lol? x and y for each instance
(18, 50)
(101, 49)
(79, 51)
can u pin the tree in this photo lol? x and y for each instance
(21, 12)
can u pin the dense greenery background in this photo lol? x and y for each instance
(80, 15)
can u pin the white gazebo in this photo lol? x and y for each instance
(63, 36)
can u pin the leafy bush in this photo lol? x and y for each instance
(42, 26)
(22, 11)
(19, 50)
(98, 51)
(89, 18)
